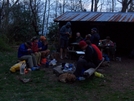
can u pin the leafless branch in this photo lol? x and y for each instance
(119, 1)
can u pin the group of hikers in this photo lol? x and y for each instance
(37, 48)
(33, 51)
(90, 44)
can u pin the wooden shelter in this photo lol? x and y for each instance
(119, 26)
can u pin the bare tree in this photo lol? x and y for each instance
(44, 16)
(131, 8)
(6, 8)
(34, 6)
(64, 3)
(101, 5)
(1, 13)
(95, 5)
(125, 4)
(75, 5)
(48, 13)
(113, 5)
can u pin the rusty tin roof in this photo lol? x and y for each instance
(97, 16)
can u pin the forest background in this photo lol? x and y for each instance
(22, 19)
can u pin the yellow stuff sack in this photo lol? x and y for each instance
(16, 66)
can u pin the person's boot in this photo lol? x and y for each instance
(61, 57)
(66, 56)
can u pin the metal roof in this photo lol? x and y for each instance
(97, 16)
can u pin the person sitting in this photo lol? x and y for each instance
(78, 37)
(24, 53)
(87, 37)
(43, 44)
(109, 47)
(98, 51)
(95, 37)
(90, 60)
(35, 48)
(75, 46)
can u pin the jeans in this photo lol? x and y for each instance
(31, 61)
(81, 66)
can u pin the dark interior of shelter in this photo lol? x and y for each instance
(122, 33)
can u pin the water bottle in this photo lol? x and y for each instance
(22, 68)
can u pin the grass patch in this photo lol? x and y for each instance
(44, 87)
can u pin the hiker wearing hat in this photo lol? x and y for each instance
(44, 47)
(24, 53)
(65, 33)
(90, 59)
(95, 37)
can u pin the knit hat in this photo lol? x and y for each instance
(28, 43)
(34, 38)
(95, 29)
(82, 44)
(108, 37)
(42, 38)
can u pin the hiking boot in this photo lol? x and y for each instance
(81, 78)
(61, 57)
(35, 68)
(65, 69)
(66, 57)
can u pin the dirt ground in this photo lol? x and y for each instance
(120, 73)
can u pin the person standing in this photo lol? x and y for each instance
(95, 37)
(65, 34)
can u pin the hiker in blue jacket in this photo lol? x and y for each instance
(24, 53)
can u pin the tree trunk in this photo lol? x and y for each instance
(44, 15)
(95, 5)
(113, 5)
(6, 17)
(34, 13)
(63, 6)
(125, 4)
(92, 5)
(81, 7)
(48, 13)
(1, 14)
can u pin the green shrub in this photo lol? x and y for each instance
(4, 45)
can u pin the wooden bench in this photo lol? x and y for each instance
(90, 71)
(58, 70)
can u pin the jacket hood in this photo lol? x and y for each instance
(68, 24)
